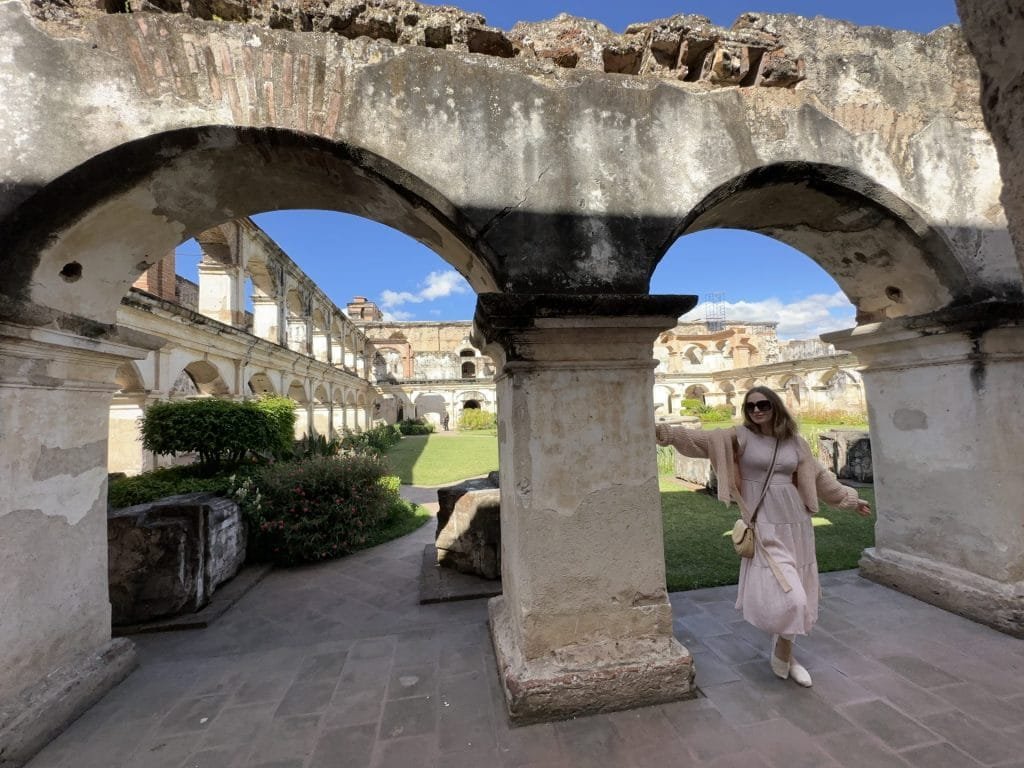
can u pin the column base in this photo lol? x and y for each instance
(613, 676)
(36, 716)
(986, 601)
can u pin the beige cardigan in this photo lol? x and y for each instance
(812, 480)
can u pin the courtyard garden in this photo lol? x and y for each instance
(319, 499)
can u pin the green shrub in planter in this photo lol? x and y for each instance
(170, 481)
(321, 508)
(221, 432)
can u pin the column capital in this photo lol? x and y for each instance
(537, 327)
(989, 330)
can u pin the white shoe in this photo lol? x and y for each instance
(798, 673)
(779, 667)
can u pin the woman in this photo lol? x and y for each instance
(778, 590)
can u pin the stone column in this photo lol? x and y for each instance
(584, 624)
(56, 652)
(266, 318)
(222, 293)
(947, 437)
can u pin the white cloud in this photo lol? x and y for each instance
(397, 316)
(437, 285)
(805, 318)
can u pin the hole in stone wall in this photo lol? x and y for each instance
(696, 52)
(71, 272)
(894, 294)
(754, 56)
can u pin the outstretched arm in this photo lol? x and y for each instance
(837, 494)
(689, 442)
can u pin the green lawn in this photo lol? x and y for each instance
(698, 552)
(444, 459)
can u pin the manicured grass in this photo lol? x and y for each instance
(698, 552)
(441, 459)
(405, 518)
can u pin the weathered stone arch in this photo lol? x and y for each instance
(884, 254)
(129, 378)
(261, 384)
(68, 256)
(207, 378)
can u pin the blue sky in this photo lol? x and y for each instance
(411, 282)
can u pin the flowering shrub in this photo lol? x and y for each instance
(317, 509)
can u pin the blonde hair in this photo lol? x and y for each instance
(783, 425)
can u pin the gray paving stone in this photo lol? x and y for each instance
(938, 756)
(408, 717)
(888, 725)
(782, 745)
(351, 747)
(852, 749)
(975, 738)
(285, 739)
(919, 672)
(741, 703)
(905, 696)
(337, 638)
(706, 733)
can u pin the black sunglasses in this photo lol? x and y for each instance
(760, 405)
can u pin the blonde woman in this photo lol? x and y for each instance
(778, 589)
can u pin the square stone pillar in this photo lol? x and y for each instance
(584, 624)
(222, 293)
(56, 654)
(947, 437)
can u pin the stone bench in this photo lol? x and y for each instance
(468, 536)
(167, 557)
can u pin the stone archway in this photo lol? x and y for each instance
(532, 189)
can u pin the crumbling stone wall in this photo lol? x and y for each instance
(681, 47)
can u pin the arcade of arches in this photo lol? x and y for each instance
(554, 183)
(349, 369)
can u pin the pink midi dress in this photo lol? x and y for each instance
(784, 527)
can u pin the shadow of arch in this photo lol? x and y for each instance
(76, 245)
(882, 253)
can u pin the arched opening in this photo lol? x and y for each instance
(469, 370)
(199, 378)
(260, 385)
(470, 405)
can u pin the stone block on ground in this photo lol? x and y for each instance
(167, 557)
(847, 452)
(468, 535)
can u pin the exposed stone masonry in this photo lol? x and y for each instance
(682, 47)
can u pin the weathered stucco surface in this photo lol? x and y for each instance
(568, 171)
(525, 175)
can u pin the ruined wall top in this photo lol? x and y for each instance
(683, 47)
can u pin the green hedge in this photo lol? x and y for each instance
(374, 441)
(477, 418)
(318, 509)
(160, 483)
(415, 427)
(220, 432)
(281, 413)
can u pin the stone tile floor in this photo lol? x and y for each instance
(338, 665)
